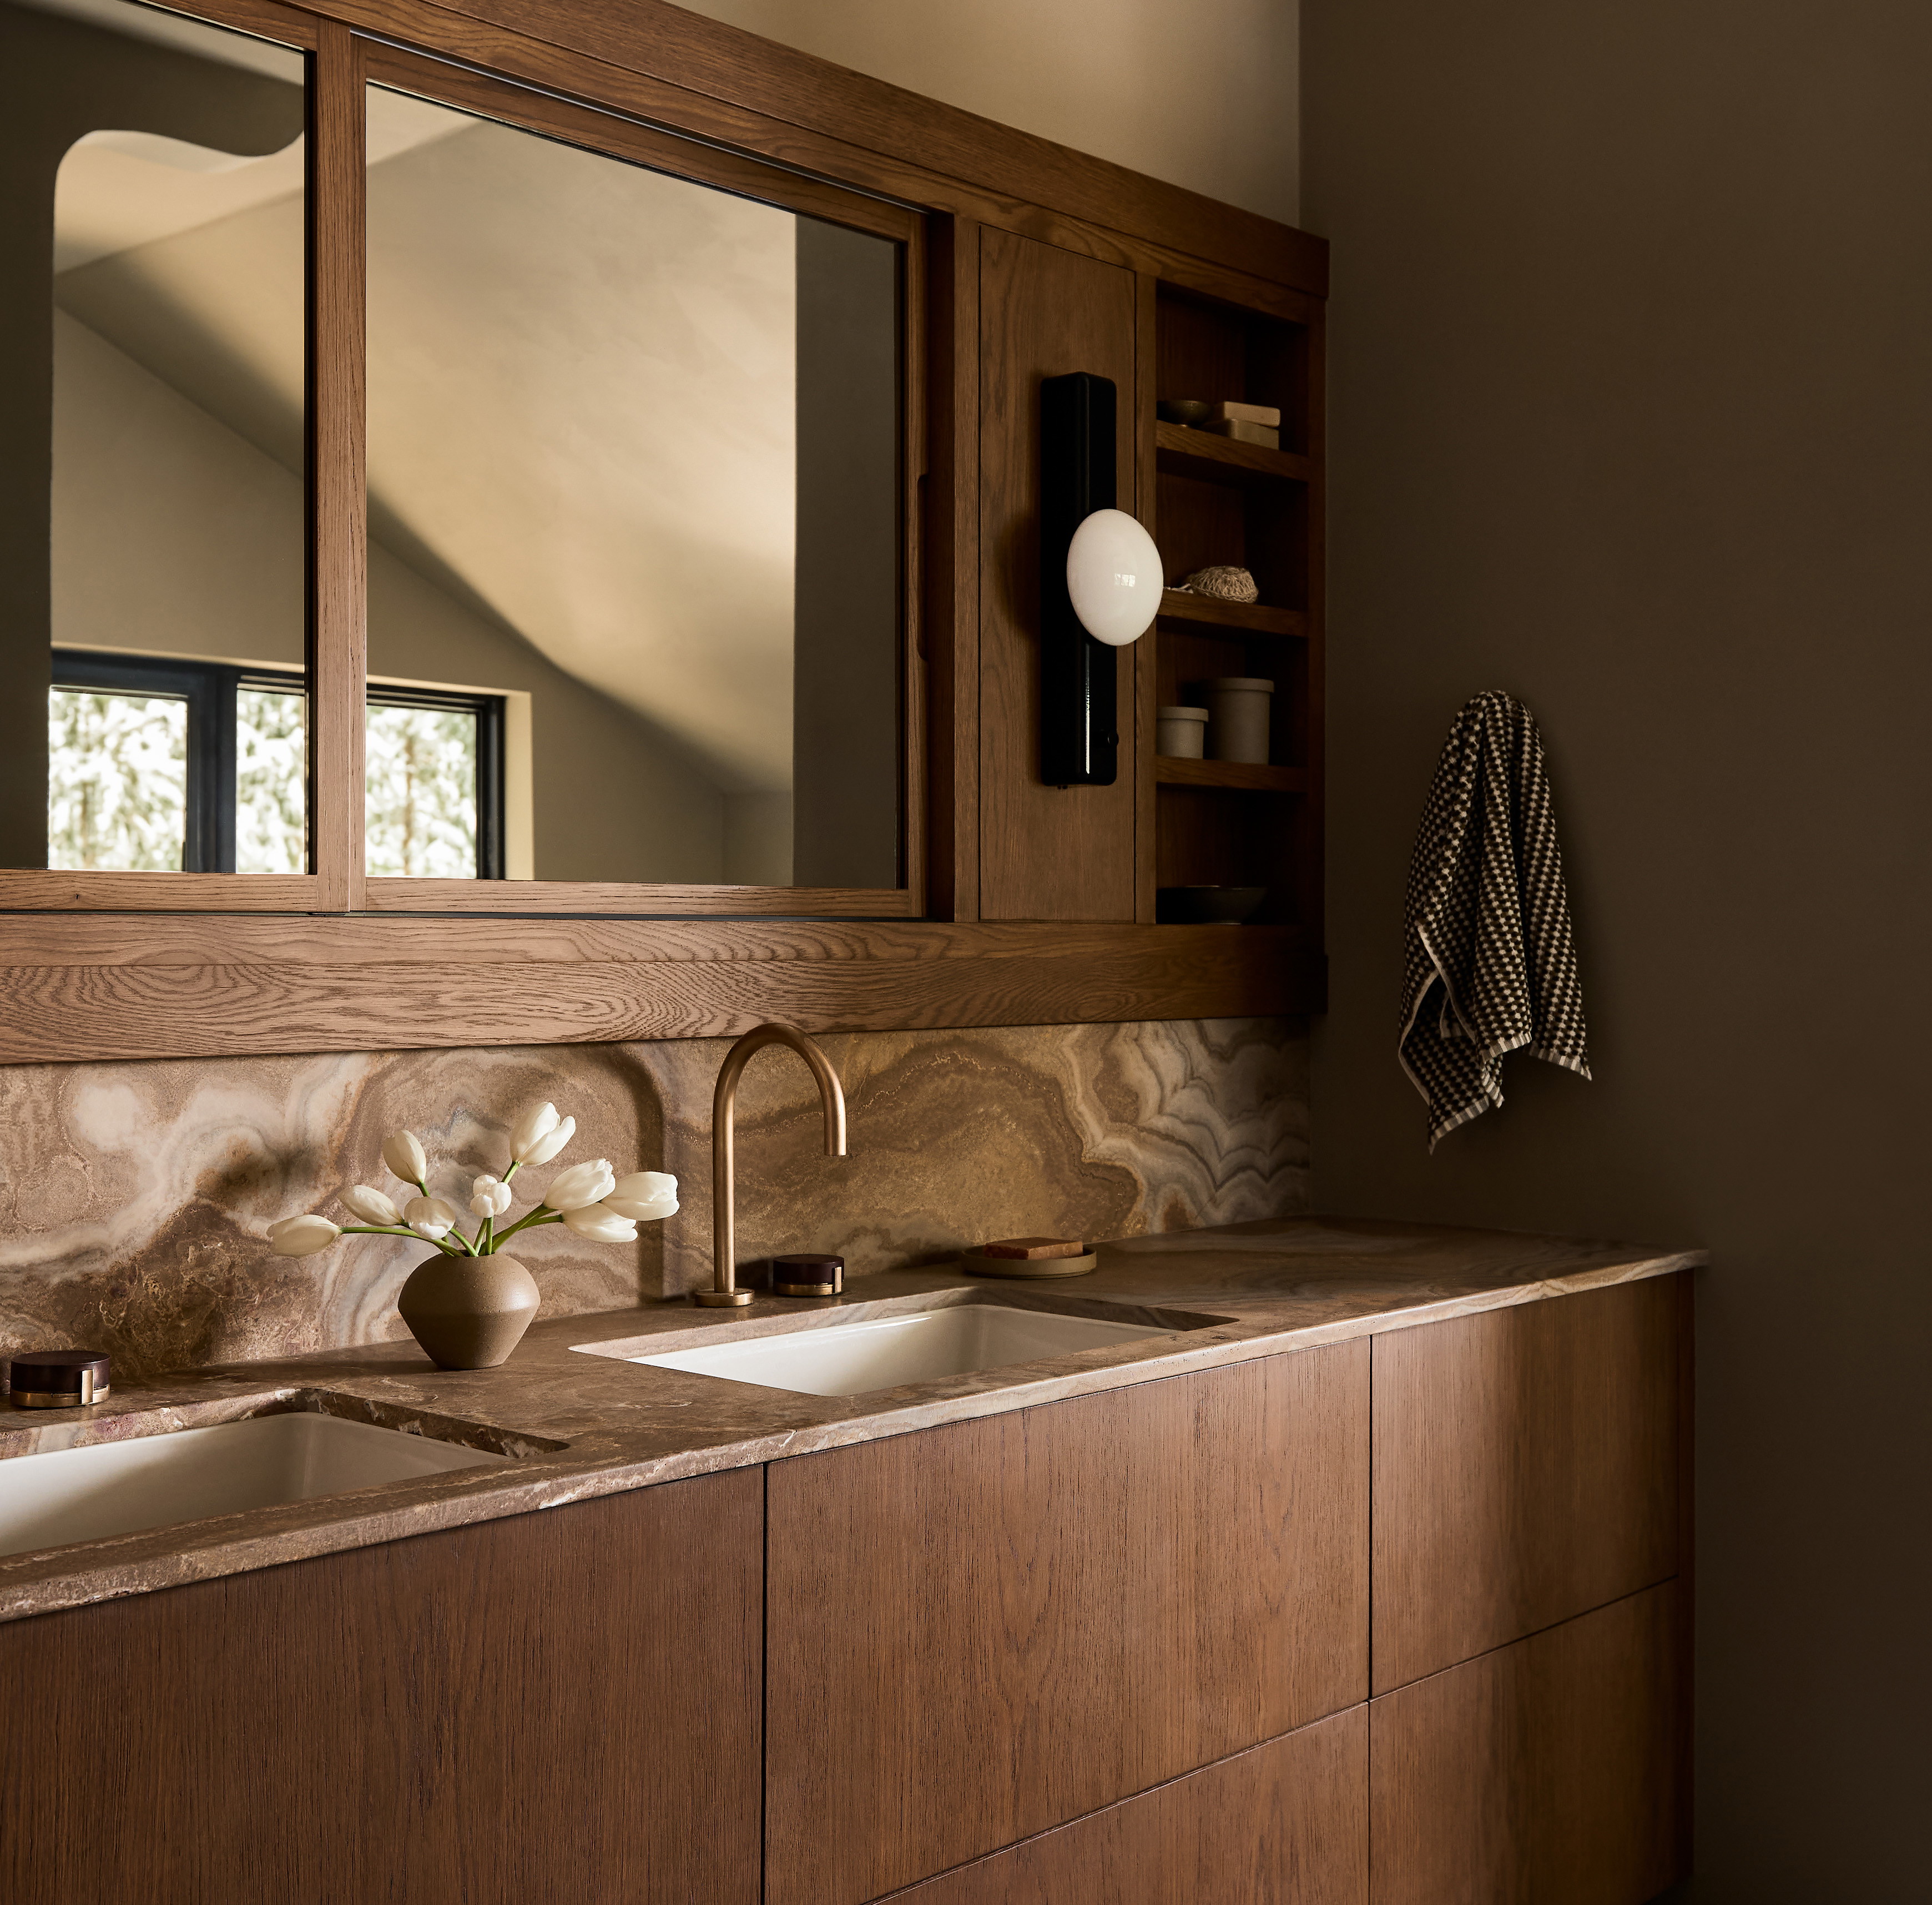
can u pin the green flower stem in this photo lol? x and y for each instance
(397, 1230)
(539, 1216)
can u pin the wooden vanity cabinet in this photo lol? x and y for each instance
(1526, 1470)
(1284, 1823)
(556, 1705)
(981, 1631)
(1549, 1770)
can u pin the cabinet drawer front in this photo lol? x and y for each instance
(1545, 1771)
(980, 1631)
(1283, 1824)
(1525, 1470)
(553, 1705)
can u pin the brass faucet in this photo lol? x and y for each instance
(725, 1292)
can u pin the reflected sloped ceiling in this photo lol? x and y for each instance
(582, 396)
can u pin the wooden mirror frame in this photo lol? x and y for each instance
(217, 966)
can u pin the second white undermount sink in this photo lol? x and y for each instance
(66, 1495)
(855, 1358)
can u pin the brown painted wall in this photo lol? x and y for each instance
(1632, 404)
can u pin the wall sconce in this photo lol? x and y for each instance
(1099, 583)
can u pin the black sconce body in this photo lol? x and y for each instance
(1079, 743)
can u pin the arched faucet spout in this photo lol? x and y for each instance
(724, 1292)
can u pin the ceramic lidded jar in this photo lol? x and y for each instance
(469, 1313)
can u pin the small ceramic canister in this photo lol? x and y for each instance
(1237, 711)
(1179, 733)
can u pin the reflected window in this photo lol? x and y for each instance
(434, 768)
(160, 764)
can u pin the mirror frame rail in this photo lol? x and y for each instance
(379, 962)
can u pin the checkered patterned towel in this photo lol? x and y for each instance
(1490, 968)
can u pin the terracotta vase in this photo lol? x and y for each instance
(469, 1313)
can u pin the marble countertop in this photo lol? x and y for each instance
(582, 1425)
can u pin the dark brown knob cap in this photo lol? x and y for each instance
(58, 1379)
(807, 1274)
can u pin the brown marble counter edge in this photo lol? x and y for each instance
(42, 1586)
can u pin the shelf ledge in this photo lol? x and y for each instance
(1239, 776)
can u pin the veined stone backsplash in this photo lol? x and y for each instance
(134, 1198)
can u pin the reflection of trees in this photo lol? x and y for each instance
(117, 782)
(421, 817)
(271, 771)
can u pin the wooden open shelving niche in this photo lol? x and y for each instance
(1216, 501)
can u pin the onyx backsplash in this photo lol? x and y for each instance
(133, 1197)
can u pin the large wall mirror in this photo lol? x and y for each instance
(637, 465)
(151, 346)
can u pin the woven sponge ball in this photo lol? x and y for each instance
(1231, 585)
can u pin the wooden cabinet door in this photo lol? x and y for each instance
(978, 1631)
(1526, 1469)
(554, 1706)
(1286, 1823)
(1548, 1770)
(1045, 852)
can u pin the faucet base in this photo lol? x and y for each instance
(721, 1299)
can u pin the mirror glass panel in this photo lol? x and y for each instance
(634, 502)
(152, 511)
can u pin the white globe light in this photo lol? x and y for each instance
(1114, 575)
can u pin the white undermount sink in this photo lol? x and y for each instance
(116, 1488)
(855, 1358)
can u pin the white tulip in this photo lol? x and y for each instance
(430, 1217)
(601, 1225)
(536, 1123)
(489, 1197)
(554, 1141)
(403, 1153)
(582, 1184)
(302, 1236)
(645, 1196)
(367, 1206)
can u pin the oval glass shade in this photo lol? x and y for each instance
(1113, 576)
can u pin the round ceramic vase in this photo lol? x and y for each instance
(469, 1313)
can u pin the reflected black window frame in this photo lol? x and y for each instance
(209, 689)
(488, 710)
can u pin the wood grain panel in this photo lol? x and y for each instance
(338, 432)
(1033, 1616)
(1546, 1771)
(950, 513)
(1046, 853)
(714, 61)
(557, 1706)
(1283, 1824)
(197, 987)
(1525, 1470)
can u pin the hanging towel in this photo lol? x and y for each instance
(1489, 968)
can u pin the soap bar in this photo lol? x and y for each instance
(1263, 435)
(1268, 414)
(1031, 1249)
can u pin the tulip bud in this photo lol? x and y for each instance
(489, 1197)
(302, 1236)
(430, 1217)
(582, 1184)
(368, 1207)
(536, 1123)
(403, 1153)
(644, 1196)
(553, 1141)
(600, 1225)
